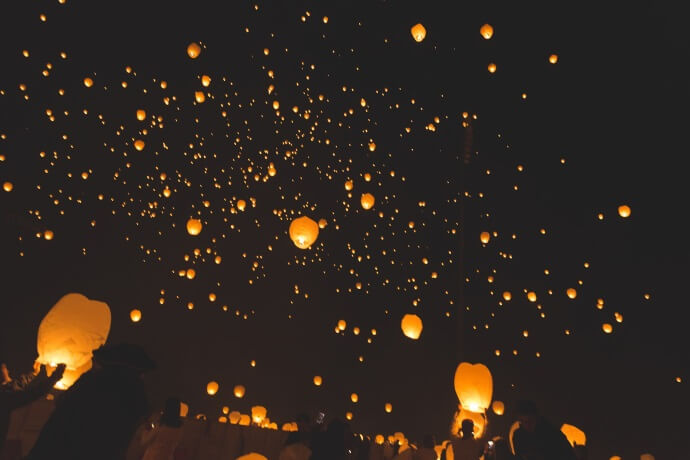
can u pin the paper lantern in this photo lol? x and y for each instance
(245, 420)
(646, 457)
(532, 296)
(303, 232)
(411, 326)
(349, 185)
(194, 226)
(484, 237)
(139, 145)
(473, 386)
(507, 296)
(553, 58)
(199, 96)
(135, 315)
(624, 211)
(498, 407)
(354, 397)
(367, 200)
(234, 417)
(212, 388)
(607, 328)
(342, 324)
(379, 439)
(318, 380)
(322, 223)
(418, 32)
(88, 82)
(348, 415)
(141, 115)
(491, 67)
(388, 408)
(7, 186)
(241, 205)
(571, 293)
(69, 333)
(487, 31)
(574, 434)
(615, 457)
(48, 235)
(258, 414)
(184, 409)
(205, 80)
(252, 456)
(239, 391)
(193, 50)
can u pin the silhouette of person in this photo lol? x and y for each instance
(426, 451)
(466, 447)
(22, 391)
(330, 444)
(163, 438)
(97, 416)
(295, 448)
(537, 438)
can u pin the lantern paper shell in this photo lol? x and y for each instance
(367, 200)
(473, 386)
(411, 326)
(194, 227)
(239, 391)
(487, 31)
(69, 333)
(212, 388)
(418, 32)
(574, 434)
(303, 232)
(498, 407)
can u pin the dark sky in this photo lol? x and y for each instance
(604, 126)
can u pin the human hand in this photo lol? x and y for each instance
(57, 373)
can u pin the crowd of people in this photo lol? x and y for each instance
(106, 415)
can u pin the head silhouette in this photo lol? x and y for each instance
(467, 428)
(527, 415)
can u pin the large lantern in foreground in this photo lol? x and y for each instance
(303, 232)
(194, 226)
(367, 201)
(411, 326)
(474, 386)
(574, 434)
(69, 333)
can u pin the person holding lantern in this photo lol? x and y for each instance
(537, 438)
(22, 391)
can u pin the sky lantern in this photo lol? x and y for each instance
(258, 414)
(571, 293)
(245, 419)
(322, 223)
(532, 296)
(241, 205)
(379, 439)
(194, 226)
(190, 273)
(607, 328)
(349, 185)
(141, 115)
(48, 235)
(184, 409)
(318, 380)
(135, 315)
(88, 82)
(205, 80)
(498, 407)
(418, 32)
(624, 211)
(70, 331)
(367, 201)
(348, 415)
(199, 96)
(553, 58)
(372, 146)
(354, 397)
(303, 232)
(7, 186)
(487, 31)
(239, 391)
(139, 145)
(234, 417)
(411, 326)
(212, 388)
(473, 386)
(491, 67)
(574, 434)
(647, 457)
(507, 296)
(342, 324)
(388, 407)
(484, 237)
(193, 50)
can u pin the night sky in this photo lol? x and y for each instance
(602, 127)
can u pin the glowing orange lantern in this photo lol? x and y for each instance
(194, 226)
(418, 32)
(486, 31)
(303, 232)
(473, 386)
(239, 391)
(212, 388)
(574, 434)
(411, 326)
(193, 50)
(367, 201)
